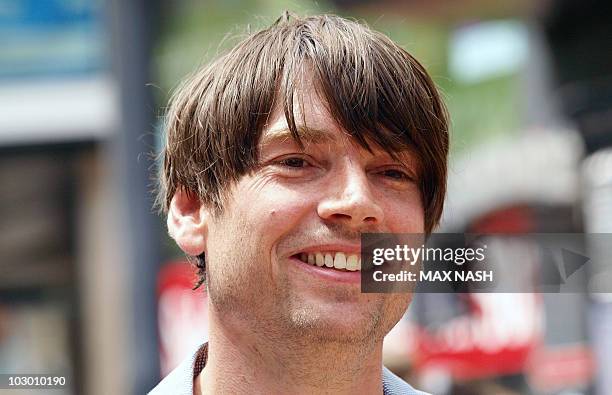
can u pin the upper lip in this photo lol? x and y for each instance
(345, 248)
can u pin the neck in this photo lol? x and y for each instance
(243, 361)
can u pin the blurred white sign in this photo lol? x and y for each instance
(487, 50)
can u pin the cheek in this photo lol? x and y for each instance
(405, 215)
(276, 210)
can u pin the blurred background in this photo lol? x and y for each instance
(90, 285)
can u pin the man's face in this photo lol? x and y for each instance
(311, 201)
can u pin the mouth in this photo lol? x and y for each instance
(333, 260)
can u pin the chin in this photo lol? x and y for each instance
(338, 333)
(341, 324)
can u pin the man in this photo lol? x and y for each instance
(278, 156)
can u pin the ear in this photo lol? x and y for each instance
(188, 222)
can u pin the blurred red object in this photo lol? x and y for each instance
(182, 314)
(495, 339)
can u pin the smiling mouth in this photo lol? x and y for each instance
(332, 260)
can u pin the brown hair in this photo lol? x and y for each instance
(375, 91)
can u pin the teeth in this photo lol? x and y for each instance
(337, 260)
(340, 261)
(320, 259)
(353, 263)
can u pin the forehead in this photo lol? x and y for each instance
(312, 118)
(315, 125)
(308, 108)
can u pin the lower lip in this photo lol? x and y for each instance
(327, 273)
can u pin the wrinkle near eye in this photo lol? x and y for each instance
(259, 182)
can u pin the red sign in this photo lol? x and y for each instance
(182, 312)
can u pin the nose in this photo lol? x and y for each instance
(350, 199)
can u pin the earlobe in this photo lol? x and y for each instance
(187, 222)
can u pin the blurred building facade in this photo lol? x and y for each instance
(79, 242)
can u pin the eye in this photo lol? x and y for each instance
(397, 175)
(294, 162)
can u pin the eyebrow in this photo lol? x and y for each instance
(317, 136)
(307, 135)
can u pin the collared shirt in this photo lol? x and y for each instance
(180, 380)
